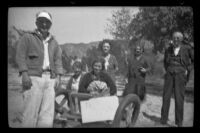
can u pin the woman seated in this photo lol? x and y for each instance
(97, 82)
(72, 86)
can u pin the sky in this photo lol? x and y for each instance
(70, 24)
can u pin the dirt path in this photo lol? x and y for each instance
(151, 110)
(149, 114)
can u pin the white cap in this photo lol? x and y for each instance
(44, 14)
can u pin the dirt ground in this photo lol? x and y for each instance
(149, 114)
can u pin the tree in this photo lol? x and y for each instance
(158, 23)
(118, 24)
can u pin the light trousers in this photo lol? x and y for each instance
(39, 103)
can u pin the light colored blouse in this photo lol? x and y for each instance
(75, 84)
(111, 64)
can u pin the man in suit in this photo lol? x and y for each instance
(177, 63)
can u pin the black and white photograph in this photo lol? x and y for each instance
(100, 66)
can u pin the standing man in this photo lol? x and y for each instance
(40, 65)
(177, 62)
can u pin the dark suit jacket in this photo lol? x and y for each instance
(186, 54)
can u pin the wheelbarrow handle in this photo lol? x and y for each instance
(81, 96)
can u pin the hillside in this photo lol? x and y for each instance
(79, 50)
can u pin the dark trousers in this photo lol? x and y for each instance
(135, 87)
(174, 83)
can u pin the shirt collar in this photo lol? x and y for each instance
(40, 36)
(177, 47)
(107, 57)
(48, 38)
(139, 57)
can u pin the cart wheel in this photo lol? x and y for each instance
(128, 111)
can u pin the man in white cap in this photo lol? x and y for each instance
(40, 65)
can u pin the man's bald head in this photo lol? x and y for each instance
(177, 38)
(178, 35)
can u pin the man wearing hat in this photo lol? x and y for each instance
(178, 61)
(39, 61)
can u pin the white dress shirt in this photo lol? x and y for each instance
(46, 53)
(75, 83)
(107, 61)
(176, 50)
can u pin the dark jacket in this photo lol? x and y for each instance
(30, 55)
(186, 55)
(136, 78)
(134, 68)
(87, 79)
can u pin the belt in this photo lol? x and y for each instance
(46, 70)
